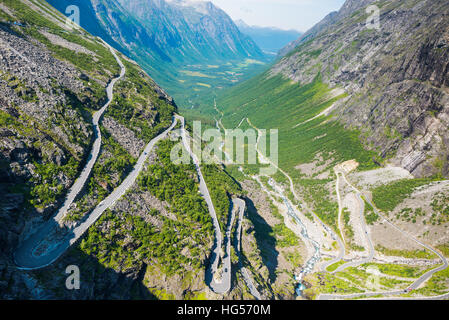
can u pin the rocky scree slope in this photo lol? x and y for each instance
(396, 78)
(52, 78)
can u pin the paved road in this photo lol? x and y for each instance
(27, 257)
(421, 280)
(368, 238)
(304, 206)
(364, 229)
(21, 256)
(374, 295)
(240, 204)
(340, 208)
(81, 181)
(224, 285)
(341, 255)
(50, 241)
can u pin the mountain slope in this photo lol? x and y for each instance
(192, 31)
(53, 79)
(170, 39)
(353, 106)
(349, 7)
(271, 40)
(395, 80)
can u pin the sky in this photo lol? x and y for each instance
(300, 15)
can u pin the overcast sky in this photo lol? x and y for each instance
(285, 14)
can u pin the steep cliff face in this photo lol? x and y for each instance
(52, 79)
(184, 45)
(171, 31)
(396, 78)
(192, 30)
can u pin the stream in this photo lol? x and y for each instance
(316, 257)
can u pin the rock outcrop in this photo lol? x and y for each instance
(52, 79)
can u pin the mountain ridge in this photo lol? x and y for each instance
(175, 42)
(270, 39)
(407, 131)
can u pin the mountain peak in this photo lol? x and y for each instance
(240, 23)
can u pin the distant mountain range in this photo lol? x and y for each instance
(269, 39)
(165, 36)
(394, 92)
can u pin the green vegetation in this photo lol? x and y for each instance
(349, 231)
(398, 270)
(277, 103)
(316, 193)
(176, 185)
(437, 285)
(134, 105)
(164, 246)
(221, 188)
(284, 236)
(440, 206)
(195, 296)
(444, 248)
(294, 258)
(412, 254)
(329, 283)
(388, 197)
(335, 266)
(36, 22)
(162, 294)
(408, 214)
(111, 168)
(203, 82)
(370, 216)
(47, 188)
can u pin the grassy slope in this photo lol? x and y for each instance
(276, 103)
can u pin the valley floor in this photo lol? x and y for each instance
(367, 253)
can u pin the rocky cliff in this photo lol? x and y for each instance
(177, 32)
(192, 29)
(396, 77)
(52, 79)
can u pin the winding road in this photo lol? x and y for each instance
(50, 241)
(421, 280)
(223, 284)
(303, 206)
(38, 250)
(364, 227)
(97, 116)
(368, 239)
(342, 253)
(241, 205)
